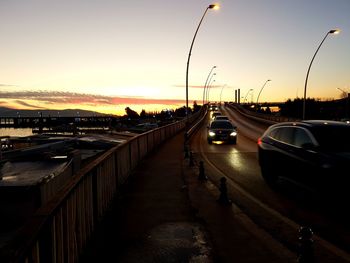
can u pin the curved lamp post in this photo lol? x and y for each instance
(257, 99)
(189, 53)
(333, 31)
(221, 91)
(206, 82)
(208, 85)
(208, 89)
(247, 95)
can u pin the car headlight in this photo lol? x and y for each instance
(233, 133)
(211, 133)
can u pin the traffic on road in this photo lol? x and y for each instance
(252, 167)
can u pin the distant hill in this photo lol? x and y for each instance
(7, 112)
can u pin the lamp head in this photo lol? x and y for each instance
(215, 6)
(334, 31)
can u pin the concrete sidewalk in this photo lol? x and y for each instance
(165, 214)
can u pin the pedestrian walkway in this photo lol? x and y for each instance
(165, 214)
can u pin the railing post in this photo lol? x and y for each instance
(95, 197)
(130, 156)
(138, 150)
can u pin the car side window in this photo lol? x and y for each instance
(286, 135)
(301, 138)
(283, 134)
(273, 133)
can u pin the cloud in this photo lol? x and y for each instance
(7, 85)
(140, 101)
(184, 86)
(28, 105)
(54, 98)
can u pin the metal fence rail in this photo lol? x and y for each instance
(261, 117)
(60, 230)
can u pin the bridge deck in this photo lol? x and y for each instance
(165, 214)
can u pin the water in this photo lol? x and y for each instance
(15, 132)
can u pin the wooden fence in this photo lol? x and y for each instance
(60, 230)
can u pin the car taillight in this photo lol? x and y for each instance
(259, 141)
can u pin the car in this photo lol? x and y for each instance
(213, 107)
(214, 114)
(312, 153)
(221, 117)
(222, 130)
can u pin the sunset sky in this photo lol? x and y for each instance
(105, 55)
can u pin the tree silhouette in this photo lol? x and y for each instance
(143, 114)
(131, 113)
(196, 107)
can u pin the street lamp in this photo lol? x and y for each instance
(208, 85)
(221, 91)
(189, 53)
(247, 95)
(206, 82)
(333, 31)
(208, 89)
(260, 92)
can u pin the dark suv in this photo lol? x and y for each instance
(314, 153)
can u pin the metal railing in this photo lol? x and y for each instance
(260, 117)
(60, 230)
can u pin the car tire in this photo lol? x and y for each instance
(210, 141)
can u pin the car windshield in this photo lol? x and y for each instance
(221, 118)
(331, 138)
(221, 125)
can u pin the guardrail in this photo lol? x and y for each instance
(260, 117)
(60, 230)
(196, 126)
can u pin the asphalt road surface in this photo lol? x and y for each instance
(279, 211)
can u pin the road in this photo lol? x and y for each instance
(279, 211)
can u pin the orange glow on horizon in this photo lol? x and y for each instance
(116, 106)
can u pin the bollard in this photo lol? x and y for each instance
(201, 175)
(191, 159)
(305, 247)
(223, 198)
